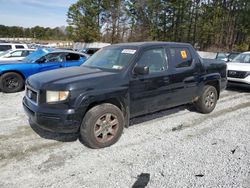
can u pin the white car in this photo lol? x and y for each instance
(15, 55)
(12, 46)
(239, 70)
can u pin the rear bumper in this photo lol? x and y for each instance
(53, 120)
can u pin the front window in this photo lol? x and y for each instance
(5, 53)
(5, 47)
(111, 58)
(33, 57)
(154, 59)
(16, 54)
(242, 58)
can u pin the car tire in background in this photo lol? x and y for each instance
(208, 99)
(11, 82)
(102, 126)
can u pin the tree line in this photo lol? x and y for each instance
(37, 32)
(207, 24)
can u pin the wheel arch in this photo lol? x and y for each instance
(214, 83)
(14, 71)
(116, 101)
(11, 71)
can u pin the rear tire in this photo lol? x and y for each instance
(102, 126)
(11, 82)
(207, 101)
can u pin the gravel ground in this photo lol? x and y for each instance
(172, 148)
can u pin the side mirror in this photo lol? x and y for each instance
(141, 70)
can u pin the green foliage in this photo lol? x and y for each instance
(221, 24)
(83, 19)
(208, 24)
(35, 32)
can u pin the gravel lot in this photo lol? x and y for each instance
(172, 148)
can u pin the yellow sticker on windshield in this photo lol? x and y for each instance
(184, 54)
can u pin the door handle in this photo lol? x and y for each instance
(189, 79)
(166, 80)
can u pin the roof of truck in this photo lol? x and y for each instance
(145, 44)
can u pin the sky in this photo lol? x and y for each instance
(30, 13)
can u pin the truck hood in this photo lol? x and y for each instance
(67, 78)
(238, 66)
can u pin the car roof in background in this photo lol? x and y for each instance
(248, 52)
(146, 44)
(22, 49)
(4, 43)
(54, 50)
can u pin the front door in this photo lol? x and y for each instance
(151, 92)
(51, 61)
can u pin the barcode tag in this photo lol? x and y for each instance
(128, 51)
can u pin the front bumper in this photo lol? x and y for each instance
(238, 84)
(242, 82)
(54, 120)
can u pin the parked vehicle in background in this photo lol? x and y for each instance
(232, 55)
(221, 56)
(239, 70)
(12, 46)
(90, 51)
(227, 57)
(119, 82)
(13, 74)
(15, 55)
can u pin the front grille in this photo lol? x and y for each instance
(32, 95)
(237, 74)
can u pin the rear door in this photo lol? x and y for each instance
(185, 77)
(149, 93)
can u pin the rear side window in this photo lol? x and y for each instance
(5, 47)
(72, 57)
(19, 47)
(91, 51)
(181, 57)
(25, 53)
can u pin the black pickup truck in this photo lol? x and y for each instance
(119, 82)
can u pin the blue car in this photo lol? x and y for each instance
(14, 74)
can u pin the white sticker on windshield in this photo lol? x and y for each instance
(128, 51)
(117, 67)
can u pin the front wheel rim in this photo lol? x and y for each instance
(210, 99)
(106, 127)
(11, 82)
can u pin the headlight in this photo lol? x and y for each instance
(56, 96)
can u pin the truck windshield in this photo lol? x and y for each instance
(242, 58)
(111, 58)
(35, 55)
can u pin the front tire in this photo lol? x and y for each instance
(207, 101)
(11, 82)
(102, 126)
